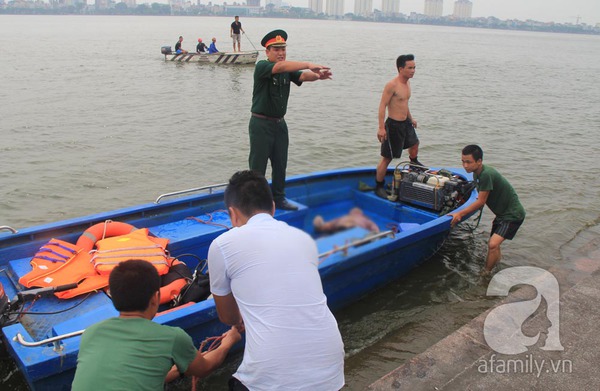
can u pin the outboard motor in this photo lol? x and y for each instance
(3, 303)
(166, 50)
(8, 308)
(440, 191)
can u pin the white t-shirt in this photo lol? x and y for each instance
(292, 338)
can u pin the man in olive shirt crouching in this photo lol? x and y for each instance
(498, 194)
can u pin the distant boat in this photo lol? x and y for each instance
(353, 262)
(238, 58)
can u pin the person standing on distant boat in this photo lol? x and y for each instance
(397, 132)
(499, 195)
(131, 352)
(267, 129)
(201, 47)
(234, 32)
(264, 277)
(178, 48)
(213, 46)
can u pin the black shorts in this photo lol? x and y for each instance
(236, 385)
(400, 135)
(506, 229)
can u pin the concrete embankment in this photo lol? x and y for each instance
(465, 361)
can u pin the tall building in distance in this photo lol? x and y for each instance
(276, 3)
(253, 3)
(335, 8)
(434, 8)
(390, 7)
(363, 7)
(315, 6)
(463, 9)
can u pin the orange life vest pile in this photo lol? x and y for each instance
(99, 250)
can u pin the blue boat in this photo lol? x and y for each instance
(42, 332)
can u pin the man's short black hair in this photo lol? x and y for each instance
(249, 192)
(402, 59)
(473, 150)
(132, 284)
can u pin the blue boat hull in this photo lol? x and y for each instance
(347, 275)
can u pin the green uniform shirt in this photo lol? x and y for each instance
(503, 199)
(130, 354)
(272, 90)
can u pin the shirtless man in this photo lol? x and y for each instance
(356, 218)
(398, 131)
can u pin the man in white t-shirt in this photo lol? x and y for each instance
(264, 275)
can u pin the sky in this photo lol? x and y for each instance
(560, 11)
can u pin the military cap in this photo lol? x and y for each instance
(274, 38)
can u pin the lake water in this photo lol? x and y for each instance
(93, 119)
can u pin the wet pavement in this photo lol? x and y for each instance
(565, 355)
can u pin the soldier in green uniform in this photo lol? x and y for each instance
(498, 194)
(268, 129)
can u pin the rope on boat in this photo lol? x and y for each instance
(210, 218)
(215, 342)
(106, 222)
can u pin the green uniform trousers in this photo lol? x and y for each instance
(269, 141)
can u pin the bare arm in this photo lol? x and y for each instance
(228, 310)
(317, 72)
(312, 76)
(386, 96)
(478, 204)
(205, 363)
(412, 120)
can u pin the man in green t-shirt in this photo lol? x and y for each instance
(495, 192)
(268, 130)
(131, 352)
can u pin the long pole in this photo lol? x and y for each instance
(246, 35)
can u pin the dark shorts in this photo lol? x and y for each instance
(236, 385)
(506, 229)
(400, 135)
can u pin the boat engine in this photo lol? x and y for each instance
(9, 309)
(3, 302)
(439, 190)
(166, 50)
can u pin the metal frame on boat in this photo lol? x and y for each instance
(353, 262)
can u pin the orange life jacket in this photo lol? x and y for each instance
(59, 262)
(135, 245)
(53, 255)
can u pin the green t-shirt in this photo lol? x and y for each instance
(272, 90)
(130, 354)
(502, 200)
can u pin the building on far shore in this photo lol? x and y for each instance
(316, 6)
(335, 8)
(363, 7)
(434, 8)
(463, 9)
(390, 7)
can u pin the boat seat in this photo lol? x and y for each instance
(101, 312)
(193, 231)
